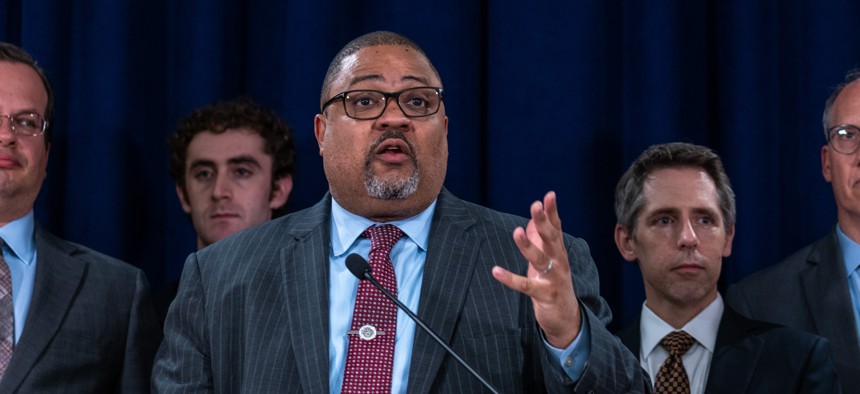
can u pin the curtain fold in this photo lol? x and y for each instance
(541, 96)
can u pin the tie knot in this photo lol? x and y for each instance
(382, 237)
(677, 343)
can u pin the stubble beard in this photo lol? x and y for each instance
(391, 189)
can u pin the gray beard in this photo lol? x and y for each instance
(396, 189)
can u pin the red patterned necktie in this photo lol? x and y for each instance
(672, 377)
(7, 314)
(370, 356)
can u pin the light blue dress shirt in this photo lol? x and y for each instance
(20, 255)
(408, 257)
(851, 259)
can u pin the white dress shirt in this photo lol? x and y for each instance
(697, 361)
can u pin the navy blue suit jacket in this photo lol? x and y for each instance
(756, 357)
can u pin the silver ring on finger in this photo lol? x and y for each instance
(548, 268)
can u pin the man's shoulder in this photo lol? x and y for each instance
(791, 266)
(55, 250)
(269, 237)
(776, 337)
(490, 221)
(492, 217)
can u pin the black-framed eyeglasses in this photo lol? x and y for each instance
(370, 104)
(844, 138)
(26, 123)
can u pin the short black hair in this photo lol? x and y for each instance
(373, 39)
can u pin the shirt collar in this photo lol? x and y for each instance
(850, 251)
(18, 235)
(348, 227)
(703, 327)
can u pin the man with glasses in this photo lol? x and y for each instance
(275, 309)
(817, 289)
(70, 318)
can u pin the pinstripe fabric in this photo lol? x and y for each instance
(91, 327)
(266, 288)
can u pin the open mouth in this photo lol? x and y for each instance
(393, 150)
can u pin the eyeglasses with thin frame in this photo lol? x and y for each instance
(26, 123)
(370, 104)
(844, 138)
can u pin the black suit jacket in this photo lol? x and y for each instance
(252, 315)
(757, 357)
(808, 291)
(91, 327)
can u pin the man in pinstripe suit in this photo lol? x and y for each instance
(269, 309)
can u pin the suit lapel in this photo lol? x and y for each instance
(448, 269)
(57, 279)
(826, 290)
(631, 337)
(305, 270)
(736, 354)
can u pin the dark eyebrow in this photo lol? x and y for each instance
(707, 211)
(201, 163)
(244, 159)
(28, 112)
(377, 77)
(663, 211)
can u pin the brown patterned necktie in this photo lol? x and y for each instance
(7, 314)
(370, 356)
(672, 377)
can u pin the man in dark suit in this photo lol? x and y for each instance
(676, 220)
(80, 321)
(232, 163)
(817, 289)
(271, 309)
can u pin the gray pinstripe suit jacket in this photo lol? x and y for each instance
(251, 314)
(91, 327)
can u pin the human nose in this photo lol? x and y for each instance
(222, 188)
(7, 135)
(687, 237)
(392, 114)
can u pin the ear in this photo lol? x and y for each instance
(183, 199)
(730, 235)
(281, 192)
(319, 130)
(825, 163)
(45, 164)
(624, 243)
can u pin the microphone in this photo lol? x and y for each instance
(361, 269)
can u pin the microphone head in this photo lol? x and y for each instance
(357, 265)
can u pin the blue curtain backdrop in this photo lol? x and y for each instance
(541, 95)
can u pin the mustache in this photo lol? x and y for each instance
(392, 134)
